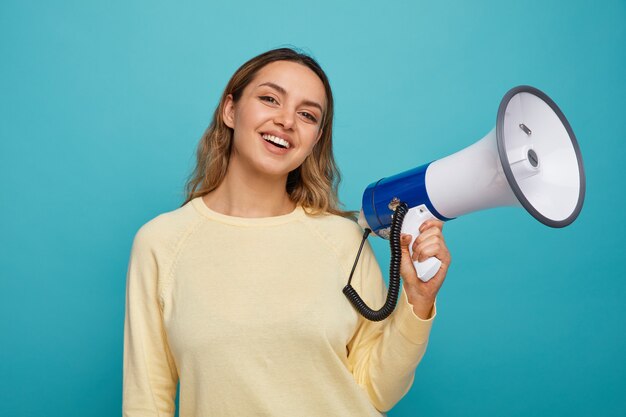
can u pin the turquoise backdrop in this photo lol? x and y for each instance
(102, 105)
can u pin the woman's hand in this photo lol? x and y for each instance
(429, 243)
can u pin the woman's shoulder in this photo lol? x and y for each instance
(336, 228)
(341, 235)
(167, 227)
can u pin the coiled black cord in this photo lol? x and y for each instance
(394, 272)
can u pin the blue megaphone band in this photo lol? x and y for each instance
(408, 186)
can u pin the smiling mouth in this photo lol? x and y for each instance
(276, 141)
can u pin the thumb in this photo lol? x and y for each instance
(407, 270)
(405, 241)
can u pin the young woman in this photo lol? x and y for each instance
(238, 293)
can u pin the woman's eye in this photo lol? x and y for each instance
(268, 99)
(309, 116)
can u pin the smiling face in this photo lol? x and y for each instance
(277, 120)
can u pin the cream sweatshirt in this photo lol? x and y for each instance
(249, 316)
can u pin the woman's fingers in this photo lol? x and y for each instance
(431, 223)
(430, 243)
(423, 253)
(427, 234)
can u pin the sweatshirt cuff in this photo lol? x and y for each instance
(413, 328)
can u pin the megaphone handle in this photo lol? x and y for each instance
(412, 222)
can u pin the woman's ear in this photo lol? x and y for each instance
(228, 113)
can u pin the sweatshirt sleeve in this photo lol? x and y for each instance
(384, 355)
(150, 374)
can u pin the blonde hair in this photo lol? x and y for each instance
(313, 185)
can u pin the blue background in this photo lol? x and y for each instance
(102, 105)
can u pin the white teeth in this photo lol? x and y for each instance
(276, 140)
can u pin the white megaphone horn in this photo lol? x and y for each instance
(531, 159)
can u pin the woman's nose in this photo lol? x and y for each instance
(284, 118)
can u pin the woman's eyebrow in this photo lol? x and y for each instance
(284, 92)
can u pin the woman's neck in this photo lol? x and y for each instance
(250, 196)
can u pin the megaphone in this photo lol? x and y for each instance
(530, 159)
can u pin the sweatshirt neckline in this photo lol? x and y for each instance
(204, 210)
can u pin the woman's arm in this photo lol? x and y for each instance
(383, 356)
(150, 374)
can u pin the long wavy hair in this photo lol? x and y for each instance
(313, 185)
